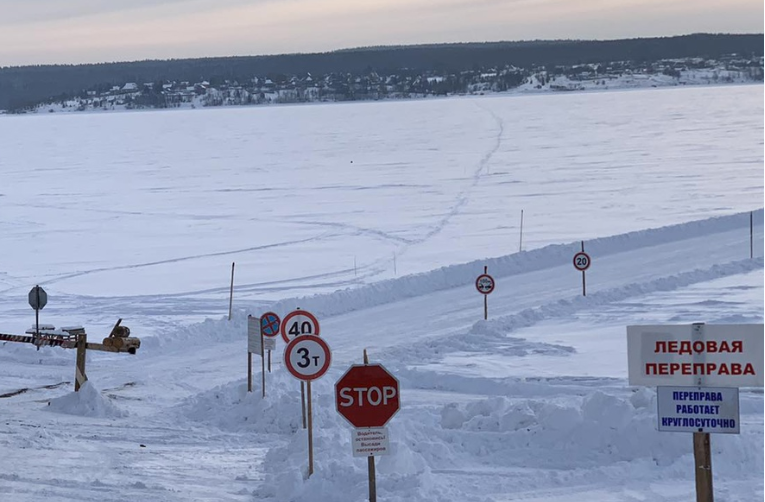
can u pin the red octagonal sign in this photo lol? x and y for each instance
(367, 395)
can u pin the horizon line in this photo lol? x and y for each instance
(382, 47)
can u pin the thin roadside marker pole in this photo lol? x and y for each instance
(485, 299)
(584, 285)
(371, 461)
(231, 294)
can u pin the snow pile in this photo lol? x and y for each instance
(598, 429)
(26, 353)
(560, 308)
(402, 476)
(232, 408)
(351, 299)
(478, 340)
(589, 433)
(88, 402)
(392, 290)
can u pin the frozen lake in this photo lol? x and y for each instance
(139, 215)
(312, 198)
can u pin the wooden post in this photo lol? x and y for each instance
(80, 377)
(702, 456)
(310, 431)
(231, 294)
(485, 299)
(302, 401)
(584, 285)
(249, 371)
(520, 245)
(262, 365)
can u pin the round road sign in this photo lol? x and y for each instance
(307, 357)
(484, 284)
(297, 323)
(582, 261)
(367, 395)
(38, 298)
(269, 324)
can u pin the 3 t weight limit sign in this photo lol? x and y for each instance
(307, 357)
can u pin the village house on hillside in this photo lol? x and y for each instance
(269, 89)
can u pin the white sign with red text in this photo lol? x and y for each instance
(711, 355)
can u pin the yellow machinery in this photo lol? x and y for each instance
(121, 340)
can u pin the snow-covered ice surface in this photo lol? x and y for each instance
(377, 217)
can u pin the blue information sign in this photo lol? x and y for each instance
(698, 409)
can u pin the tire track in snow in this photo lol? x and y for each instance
(180, 259)
(464, 196)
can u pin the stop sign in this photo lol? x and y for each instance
(367, 395)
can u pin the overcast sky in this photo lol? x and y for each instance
(81, 31)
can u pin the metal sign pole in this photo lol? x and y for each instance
(37, 316)
(371, 460)
(485, 299)
(584, 284)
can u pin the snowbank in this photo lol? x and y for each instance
(392, 290)
(566, 432)
(88, 402)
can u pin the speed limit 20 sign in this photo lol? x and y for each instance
(582, 261)
(297, 323)
(307, 357)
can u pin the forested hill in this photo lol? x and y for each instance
(26, 85)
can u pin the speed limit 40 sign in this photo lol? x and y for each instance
(307, 357)
(297, 323)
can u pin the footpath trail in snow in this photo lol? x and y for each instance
(530, 405)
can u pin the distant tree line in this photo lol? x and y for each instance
(26, 85)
